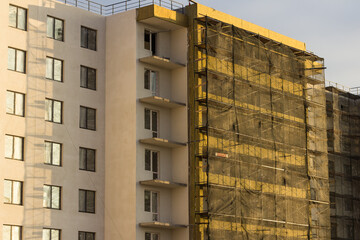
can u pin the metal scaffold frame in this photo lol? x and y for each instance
(258, 143)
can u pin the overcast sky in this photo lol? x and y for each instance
(330, 28)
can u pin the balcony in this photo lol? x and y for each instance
(161, 62)
(160, 142)
(162, 184)
(162, 225)
(162, 102)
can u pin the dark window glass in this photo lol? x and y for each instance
(87, 118)
(86, 236)
(86, 201)
(87, 159)
(88, 38)
(88, 78)
(17, 17)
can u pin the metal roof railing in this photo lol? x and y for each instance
(354, 90)
(107, 10)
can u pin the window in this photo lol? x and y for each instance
(86, 236)
(53, 153)
(52, 197)
(88, 38)
(12, 192)
(347, 170)
(151, 121)
(55, 28)
(51, 234)
(86, 201)
(87, 118)
(348, 204)
(151, 204)
(88, 78)
(87, 159)
(17, 17)
(14, 147)
(15, 103)
(53, 111)
(54, 69)
(151, 81)
(152, 162)
(16, 60)
(150, 41)
(151, 236)
(11, 232)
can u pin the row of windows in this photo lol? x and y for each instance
(54, 68)
(14, 149)
(15, 105)
(13, 194)
(13, 232)
(54, 27)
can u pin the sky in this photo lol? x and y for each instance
(330, 28)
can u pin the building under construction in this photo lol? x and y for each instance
(343, 124)
(258, 146)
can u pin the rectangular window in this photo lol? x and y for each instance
(86, 201)
(151, 236)
(150, 41)
(88, 38)
(14, 147)
(151, 203)
(87, 159)
(54, 69)
(17, 17)
(86, 236)
(51, 234)
(151, 81)
(16, 60)
(151, 121)
(53, 153)
(88, 78)
(152, 162)
(53, 110)
(52, 197)
(15, 103)
(87, 118)
(55, 28)
(13, 192)
(11, 232)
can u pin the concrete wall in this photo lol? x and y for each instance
(32, 171)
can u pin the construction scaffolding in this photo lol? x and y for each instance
(343, 117)
(258, 167)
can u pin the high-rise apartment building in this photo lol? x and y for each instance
(153, 120)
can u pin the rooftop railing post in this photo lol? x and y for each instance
(171, 4)
(126, 6)
(160, 3)
(139, 3)
(88, 5)
(101, 9)
(76, 4)
(112, 9)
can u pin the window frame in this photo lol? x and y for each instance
(54, 28)
(14, 103)
(86, 118)
(86, 159)
(155, 215)
(156, 174)
(152, 234)
(13, 147)
(152, 41)
(51, 197)
(53, 68)
(51, 153)
(155, 134)
(52, 110)
(85, 201)
(16, 60)
(154, 92)
(87, 77)
(86, 233)
(51, 229)
(11, 231)
(12, 192)
(87, 38)
(17, 17)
